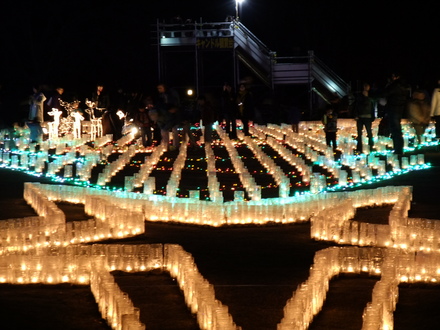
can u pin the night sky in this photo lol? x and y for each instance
(80, 44)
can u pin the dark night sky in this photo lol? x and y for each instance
(79, 44)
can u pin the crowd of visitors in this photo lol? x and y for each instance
(396, 100)
(163, 113)
(155, 114)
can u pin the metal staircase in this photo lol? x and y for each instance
(285, 70)
(255, 55)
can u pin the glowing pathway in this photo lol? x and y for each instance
(47, 249)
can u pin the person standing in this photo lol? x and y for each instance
(36, 103)
(435, 109)
(169, 115)
(167, 98)
(245, 103)
(396, 94)
(290, 111)
(208, 116)
(330, 121)
(169, 119)
(419, 114)
(133, 102)
(36, 131)
(143, 123)
(294, 117)
(153, 114)
(101, 100)
(229, 110)
(363, 111)
(55, 101)
(119, 101)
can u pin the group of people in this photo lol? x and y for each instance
(170, 114)
(155, 115)
(158, 114)
(45, 106)
(393, 103)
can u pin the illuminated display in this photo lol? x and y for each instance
(403, 251)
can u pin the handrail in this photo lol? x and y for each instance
(319, 71)
(249, 34)
(338, 80)
(256, 54)
(263, 76)
(192, 29)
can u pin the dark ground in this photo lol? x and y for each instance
(255, 270)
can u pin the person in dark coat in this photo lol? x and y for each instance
(245, 103)
(330, 121)
(54, 102)
(208, 115)
(419, 114)
(229, 110)
(143, 123)
(396, 94)
(363, 112)
(101, 100)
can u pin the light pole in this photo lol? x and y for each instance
(236, 8)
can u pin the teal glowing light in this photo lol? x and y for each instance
(11, 159)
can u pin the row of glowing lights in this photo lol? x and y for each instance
(423, 275)
(335, 187)
(95, 271)
(323, 215)
(335, 224)
(314, 285)
(110, 221)
(83, 279)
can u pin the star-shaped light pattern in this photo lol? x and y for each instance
(47, 249)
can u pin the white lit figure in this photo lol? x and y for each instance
(96, 130)
(77, 124)
(53, 126)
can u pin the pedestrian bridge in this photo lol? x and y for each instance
(251, 52)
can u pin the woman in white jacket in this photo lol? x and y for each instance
(435, 109)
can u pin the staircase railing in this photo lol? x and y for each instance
(327, 76)
(285, 70)
(253, 53)
(253, 47)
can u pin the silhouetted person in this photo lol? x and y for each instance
(208, 115)
(330, 121)
(363, 112)
(101, 100)
(143, 123)
(419, 114)
(396, 94)
(36, 105)
(119, 100)
(229, 110)
(291, 111)
(171, 116)
(167, 97)
(435, 109)
(245, 103)
(36, 131)
(169, 119)
(133, 102)
(54, 102)
(153, 114)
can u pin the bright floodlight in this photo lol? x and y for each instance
(236, 8)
